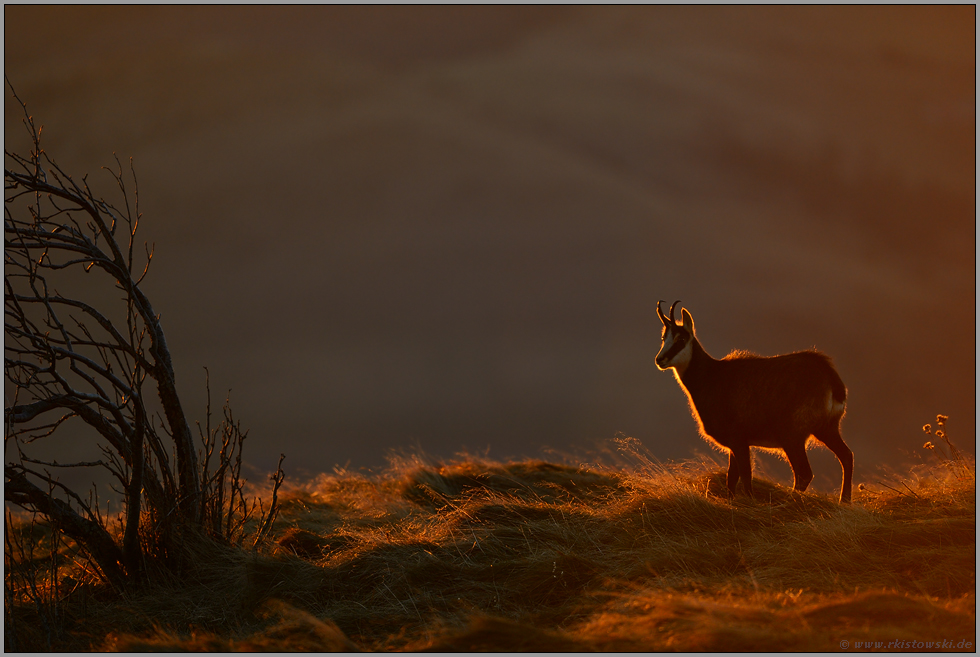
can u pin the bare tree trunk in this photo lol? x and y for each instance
(187, 470)
(134, 498)
(58, 362)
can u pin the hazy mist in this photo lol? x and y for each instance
(448, 227)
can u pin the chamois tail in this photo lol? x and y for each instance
(837, 389)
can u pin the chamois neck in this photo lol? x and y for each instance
(699, 360)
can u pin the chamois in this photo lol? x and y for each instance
(745, 400)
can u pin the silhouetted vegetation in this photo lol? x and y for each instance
(70, 355)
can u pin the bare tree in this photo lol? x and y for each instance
(67, 358)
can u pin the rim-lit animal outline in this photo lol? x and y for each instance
(744, 400)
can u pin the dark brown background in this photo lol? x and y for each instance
(385, 227)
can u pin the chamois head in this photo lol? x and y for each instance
(678, 340)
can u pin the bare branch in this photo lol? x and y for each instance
(20, 491)
(59, 361)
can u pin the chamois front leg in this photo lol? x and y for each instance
(743, 463)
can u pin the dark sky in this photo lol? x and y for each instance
(448, 228)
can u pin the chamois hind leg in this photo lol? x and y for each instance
(743, 463)
(830, 436)
(802, 473)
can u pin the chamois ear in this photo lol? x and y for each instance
(686, 320)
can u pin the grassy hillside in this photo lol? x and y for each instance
(530, 556)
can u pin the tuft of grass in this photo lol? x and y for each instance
(475, 554)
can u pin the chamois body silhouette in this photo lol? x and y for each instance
(744, 400)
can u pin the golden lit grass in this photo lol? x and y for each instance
(533, 556)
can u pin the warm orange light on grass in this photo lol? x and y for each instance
(478, 554)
